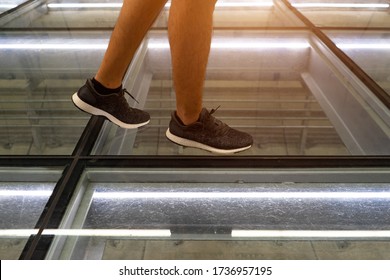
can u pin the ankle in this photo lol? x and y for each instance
(187, 119)
(100, 88)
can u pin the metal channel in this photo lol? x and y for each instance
(229, 199)
(240, 206)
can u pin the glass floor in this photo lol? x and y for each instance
(309, 80)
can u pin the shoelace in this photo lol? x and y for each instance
(212, 111)
(125, 91)
(223, 127)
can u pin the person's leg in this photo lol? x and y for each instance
(104, 95)
(190, 27)
(135, 19)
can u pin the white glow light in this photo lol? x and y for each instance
(311, 233)
(243, 45)
(155, 45)
(244, 4)
(38, 46)
(89, 232)
(9, 193)
(7, 6)
(228, 5)
(119, 5)
(224, 45)
(364, 46)
(340, 5)
(83, 5)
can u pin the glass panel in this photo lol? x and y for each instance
(71, 14)
(284, 87)
(277, 86)
(103, 14)
(235, 215)
(23, 196)
(6, 5)
(370, 13)
(39, 73)
(369, 49)
(253, 13)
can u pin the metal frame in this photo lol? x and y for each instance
(272, 168)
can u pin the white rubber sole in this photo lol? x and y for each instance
(194, 144)
(95, 111)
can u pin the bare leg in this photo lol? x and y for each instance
(135, 19)
(190, 31)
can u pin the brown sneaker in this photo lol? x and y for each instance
(208, 133)
(112, 106)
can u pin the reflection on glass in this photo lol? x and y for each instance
(37, 79)
(276, 86)
(6, 5)
(228, 13)
(370, 50)
(337, 4)
(21, 204)
(373, 13)
(112, 216)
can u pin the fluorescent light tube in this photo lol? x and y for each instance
(243, 45)
(311, 233)
(359, 46)
(119, 5)
(83, 5)
(7, 6)
(157, 45)
(340, 5)
(223, 5)
(88, 232)
(38, 193)
(216, 45)
(54, 46)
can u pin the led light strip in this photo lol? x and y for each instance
(242, 4)
(242, 195)
(227, 45)
(88, 232)
(83, 5)
(119, 5)
(352, 46)
(340, 5)
(311, 233)
(346, 234)
(243, 45)
(38, 46)
(7, 6)
(224, 45)
(13, 193)
(227, 5)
